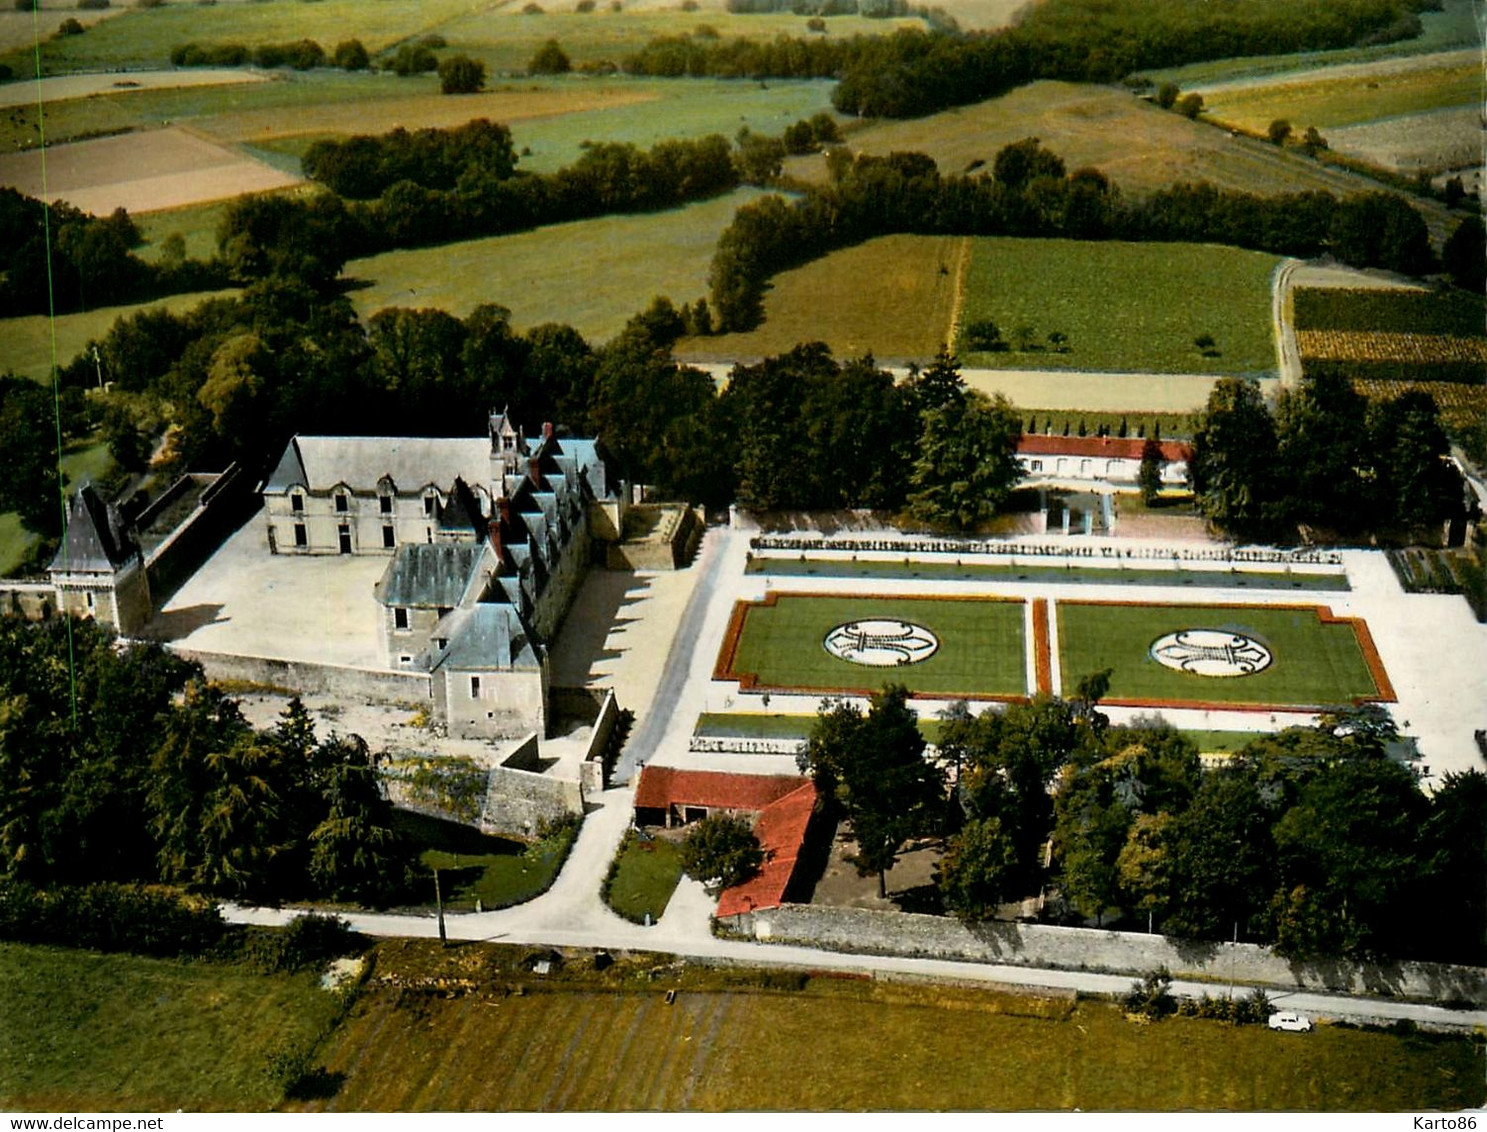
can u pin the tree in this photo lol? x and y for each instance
(1223, 857)
(1464, 255)
(979, 870)
(1234, 457)
(1278, 131)
(874, 766)
(355, 854)
(721, 851)
(459, 74)
(1322, 445)
(1382, 229)
(1190, 105)
(1413, 484)
(1150, 476)
(1167, 95)
(1022, 162)
(967, 463)
(760, 158)
(1314, 141)
(351, 55)
(550, 59)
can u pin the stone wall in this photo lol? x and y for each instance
(669, 545)
(36, 600)
(308, 678)
(222, 508)
(519, 801)
(1039, 945)
(591, 770)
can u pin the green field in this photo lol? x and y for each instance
(1452, 312)
(1347, 100)
(1455, 25)
(850, 1045)
(981, 650)
(591, 274)
(26, 342)
(1036, 570)
(1313, 664)
(119, 1033)
(646, 874)
(1134, 308)
(892, 297)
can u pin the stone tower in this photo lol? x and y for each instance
(99, 570)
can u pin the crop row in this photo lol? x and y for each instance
(1447, 312)
(1375, 346)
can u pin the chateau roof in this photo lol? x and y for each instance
(429, 574)
(1105, 447)
(319, 463)
(96, 538)
(484, 637)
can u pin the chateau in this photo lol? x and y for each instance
(487, 539)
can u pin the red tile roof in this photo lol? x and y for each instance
(663, 786)
(781, 832)
(1109, 447)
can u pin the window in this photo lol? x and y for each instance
(389, 539)
(297, 502)
(441, 642)
(89, 596)
(385, 504)
(508, 443)
(428, 504)
(301, 538)
(342, 503)
(405, 661)
(399, 618)
(1037, 465)
(344, 533)
(444, 611)
(474, 687)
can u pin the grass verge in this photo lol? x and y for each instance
(112, 1033)
(643, 877)
(475, 867)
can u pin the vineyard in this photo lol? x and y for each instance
(1463, 407)
(1393, 337)
(1375, 346)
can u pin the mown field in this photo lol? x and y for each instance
(592, 274)
(981, 649)
(1313, 663)
(1124, 307)
(847, 1045)
(110, 1033)
(81, 1031)
(893, 297)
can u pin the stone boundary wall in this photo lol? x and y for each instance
(224, 506)
(740, 745)
(518, 801)
(591, 770)
(32, 600)
(669, 547)
(573, 703)
(798, 545)
(307, 677)
(1039, 945)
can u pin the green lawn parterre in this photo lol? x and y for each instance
(981, 650)
(1124, 307)
(646, 874)
(1314, 664)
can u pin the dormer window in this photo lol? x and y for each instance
(400, 618)
(342, 503)
(297, 502)
(508, 442)
(428, 504)
(384, 504)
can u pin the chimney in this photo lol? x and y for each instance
(504, 505)
(534, 474)
(494, 530)
(547, 431)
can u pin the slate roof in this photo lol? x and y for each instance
(434, 575)
(781, 830)
(97, 538)
(319, 463)
(662, 786)
(486, 636)
(1102, 447)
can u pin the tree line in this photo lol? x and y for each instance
(912, 73)
(93, 263)
(1029, 192)
(1326, 457)
(124, 765)
(1313, 840)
